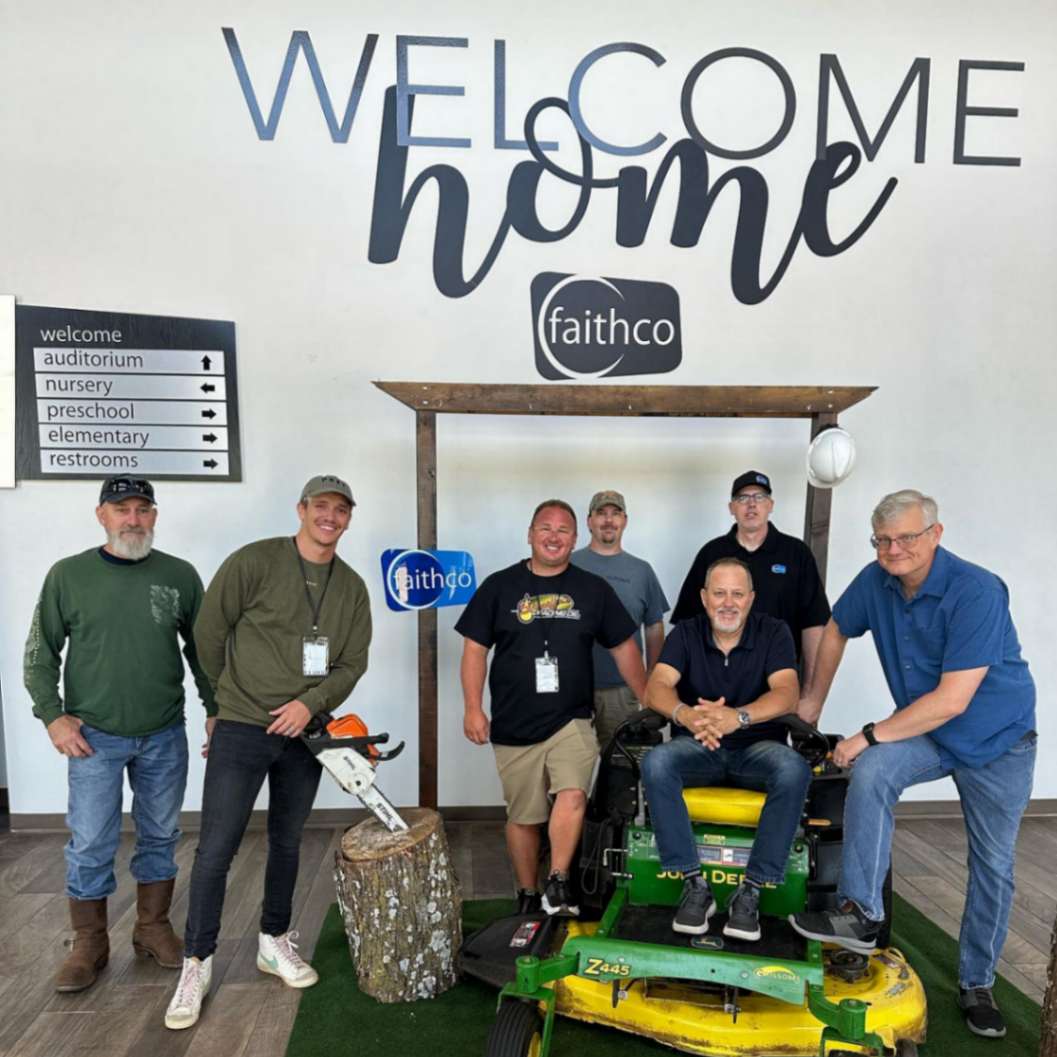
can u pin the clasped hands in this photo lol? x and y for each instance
(708, 721)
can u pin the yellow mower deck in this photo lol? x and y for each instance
(694, 1021)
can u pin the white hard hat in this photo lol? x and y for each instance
(830, 457)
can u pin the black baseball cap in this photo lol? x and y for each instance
(117, 488)
(750, 477)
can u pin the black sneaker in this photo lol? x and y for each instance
(981, 1014)
(743, 913)
(528, 902)
(848, 927)
(558, 897)
(695, 908)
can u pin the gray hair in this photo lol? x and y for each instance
(737, 562)
(896, 503)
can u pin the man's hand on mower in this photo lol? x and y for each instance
(290, 719)
(66, 736)
(848, 749)
(809, 710)
(475, 726)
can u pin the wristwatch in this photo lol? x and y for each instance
(868, 734)
(744, 719)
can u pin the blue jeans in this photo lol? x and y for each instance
(769, 766)
(993, 800)
(157, 774)
(241, 756)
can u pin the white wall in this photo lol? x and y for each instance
(134, 181)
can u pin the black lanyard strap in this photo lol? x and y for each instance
(314, 609)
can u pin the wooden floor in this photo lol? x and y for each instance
(250, 1013)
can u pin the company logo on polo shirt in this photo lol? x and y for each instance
(549, 607)
(427, 579)
(589, 326)
(777, 568)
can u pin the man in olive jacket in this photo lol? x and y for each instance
(283, 634)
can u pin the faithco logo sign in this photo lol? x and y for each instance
(589, 326)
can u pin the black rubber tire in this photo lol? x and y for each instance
(517, 1025)
(906, 1048)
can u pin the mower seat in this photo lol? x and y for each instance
(724, 806)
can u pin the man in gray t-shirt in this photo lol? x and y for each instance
(638, 589)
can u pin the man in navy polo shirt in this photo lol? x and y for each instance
(723, 678)
(965, 707)
(784, 573)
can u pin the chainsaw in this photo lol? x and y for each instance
(350, 754)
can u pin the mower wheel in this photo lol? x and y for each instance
(517, 1031)
(906, 1048)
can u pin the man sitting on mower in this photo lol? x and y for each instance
(722, 679)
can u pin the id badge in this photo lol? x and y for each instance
(546, 674)
(315, 655)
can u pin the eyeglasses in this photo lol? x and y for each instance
(750, 497)
(883, 543)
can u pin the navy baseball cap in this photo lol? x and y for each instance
(117, 488)
(749, 478)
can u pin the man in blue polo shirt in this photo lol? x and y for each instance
(723, 678)
(965, 707)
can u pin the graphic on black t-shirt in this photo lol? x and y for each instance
(549, 607)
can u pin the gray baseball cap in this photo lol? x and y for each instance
(326, 482)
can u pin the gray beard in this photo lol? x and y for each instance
(132, 546)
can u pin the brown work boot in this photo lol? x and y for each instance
(90, 948)
(153, 935)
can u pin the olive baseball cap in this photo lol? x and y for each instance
(327, 482)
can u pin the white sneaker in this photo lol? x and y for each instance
(192, 989)
(278, 955)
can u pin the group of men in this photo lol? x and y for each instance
(281, 634)
(753, 639)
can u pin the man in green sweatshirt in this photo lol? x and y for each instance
(120, 608)
(283, 634)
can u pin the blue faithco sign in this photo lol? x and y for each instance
(427, 579)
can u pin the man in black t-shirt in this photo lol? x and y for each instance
(723, 678)
(784, 573)
(543, 617)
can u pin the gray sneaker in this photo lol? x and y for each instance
(743, 913)
(847, 926)
(695, 908)
(982, 1016)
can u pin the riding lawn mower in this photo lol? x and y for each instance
(620, 964)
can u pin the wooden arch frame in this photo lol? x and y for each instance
(820, 404)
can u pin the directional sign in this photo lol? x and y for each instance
(103, 393)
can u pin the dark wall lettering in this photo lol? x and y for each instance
(829, 66)
(962, 110)
(576, 112)
(301, 41)
(499, 104)
(788, 98)
(405, 90)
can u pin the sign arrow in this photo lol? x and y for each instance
(209, 414)
(206, 361)
(211, 463)
(207, 388)
(211, 437)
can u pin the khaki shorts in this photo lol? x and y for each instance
(532, 773)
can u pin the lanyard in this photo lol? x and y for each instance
(316, 609)
(545, 622)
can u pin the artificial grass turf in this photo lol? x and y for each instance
(335, 1017)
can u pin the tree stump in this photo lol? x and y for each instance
(1048, 1045)
(400, 902)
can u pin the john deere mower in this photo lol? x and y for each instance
(621, 965)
